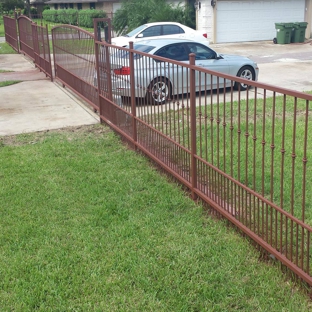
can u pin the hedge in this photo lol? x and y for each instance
(81, 18)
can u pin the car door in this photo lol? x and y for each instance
(177, 74)
(208, 59)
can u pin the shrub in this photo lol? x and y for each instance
(86, 17)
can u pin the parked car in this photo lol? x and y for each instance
(159, 81)
(161, 30)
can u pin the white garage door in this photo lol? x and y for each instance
(252, 20)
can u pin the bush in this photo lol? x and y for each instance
(50, 16)
(82, 18)
(68, 16)
(86, 17)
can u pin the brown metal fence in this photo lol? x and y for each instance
(33, 40)
(42, 54)
(26, 36)
(11, 34)
(74, 61)
(243, 152)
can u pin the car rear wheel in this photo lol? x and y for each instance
(159, 91)
(245, 72)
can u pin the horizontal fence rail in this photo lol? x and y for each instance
(242, 150)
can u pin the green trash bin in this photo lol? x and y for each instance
(298, 32)
(283, 33)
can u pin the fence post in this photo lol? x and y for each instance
(193, 126)
(132, 88)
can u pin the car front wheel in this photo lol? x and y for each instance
(247, 73)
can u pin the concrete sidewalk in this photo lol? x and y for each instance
(36, 103)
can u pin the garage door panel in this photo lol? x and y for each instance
(239, 21)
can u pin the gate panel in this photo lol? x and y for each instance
(74, 61)
(10, 29)
(26, 36)
(42, 49)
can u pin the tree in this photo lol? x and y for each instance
(10, 5)
(134, 13)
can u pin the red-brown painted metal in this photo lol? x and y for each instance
(11, 33)
(26, 39)
(74, 61)
(42, 55)
(236, 150)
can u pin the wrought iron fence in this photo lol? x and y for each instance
(26, 36)
(11, 34)
(42, 54)
(240, 146)
(74, 61)
(244, 152)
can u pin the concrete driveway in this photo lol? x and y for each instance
(288, 66)
(36, 103)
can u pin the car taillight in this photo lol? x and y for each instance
(124, 70)
(205, 35)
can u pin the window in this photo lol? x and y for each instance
(151, 31)
(137, 47)
(92, 5)
(71, 5)
(202, 52)
(172, 30)
(55, 6)
(175, 52)
(79, 6)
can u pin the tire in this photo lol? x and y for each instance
(159, 91)
(246, 72)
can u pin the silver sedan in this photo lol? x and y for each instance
(158, 80)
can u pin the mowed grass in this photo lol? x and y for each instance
(5, 48)
(2, 33)
(89, 225)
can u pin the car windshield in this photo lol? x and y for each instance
(138, 47)
(135, 31)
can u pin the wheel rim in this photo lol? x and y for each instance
(247, 74)
(160, 91)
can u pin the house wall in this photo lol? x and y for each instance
(205, 19)
(206, 16)
(308, 18)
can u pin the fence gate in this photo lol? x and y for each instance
(10, 29)
(26, 36)
(42, 49)
(74, 61)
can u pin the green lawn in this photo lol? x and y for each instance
(244, 161)
(89, 225)
(2, 33)
(5, 48)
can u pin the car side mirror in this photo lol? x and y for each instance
(140, 35)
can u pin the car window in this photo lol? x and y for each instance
(175, 52)
(151, 31)
(202, 52)
(135, 31)
(172, 30)
(138, 47)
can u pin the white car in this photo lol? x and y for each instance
(161, 30)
